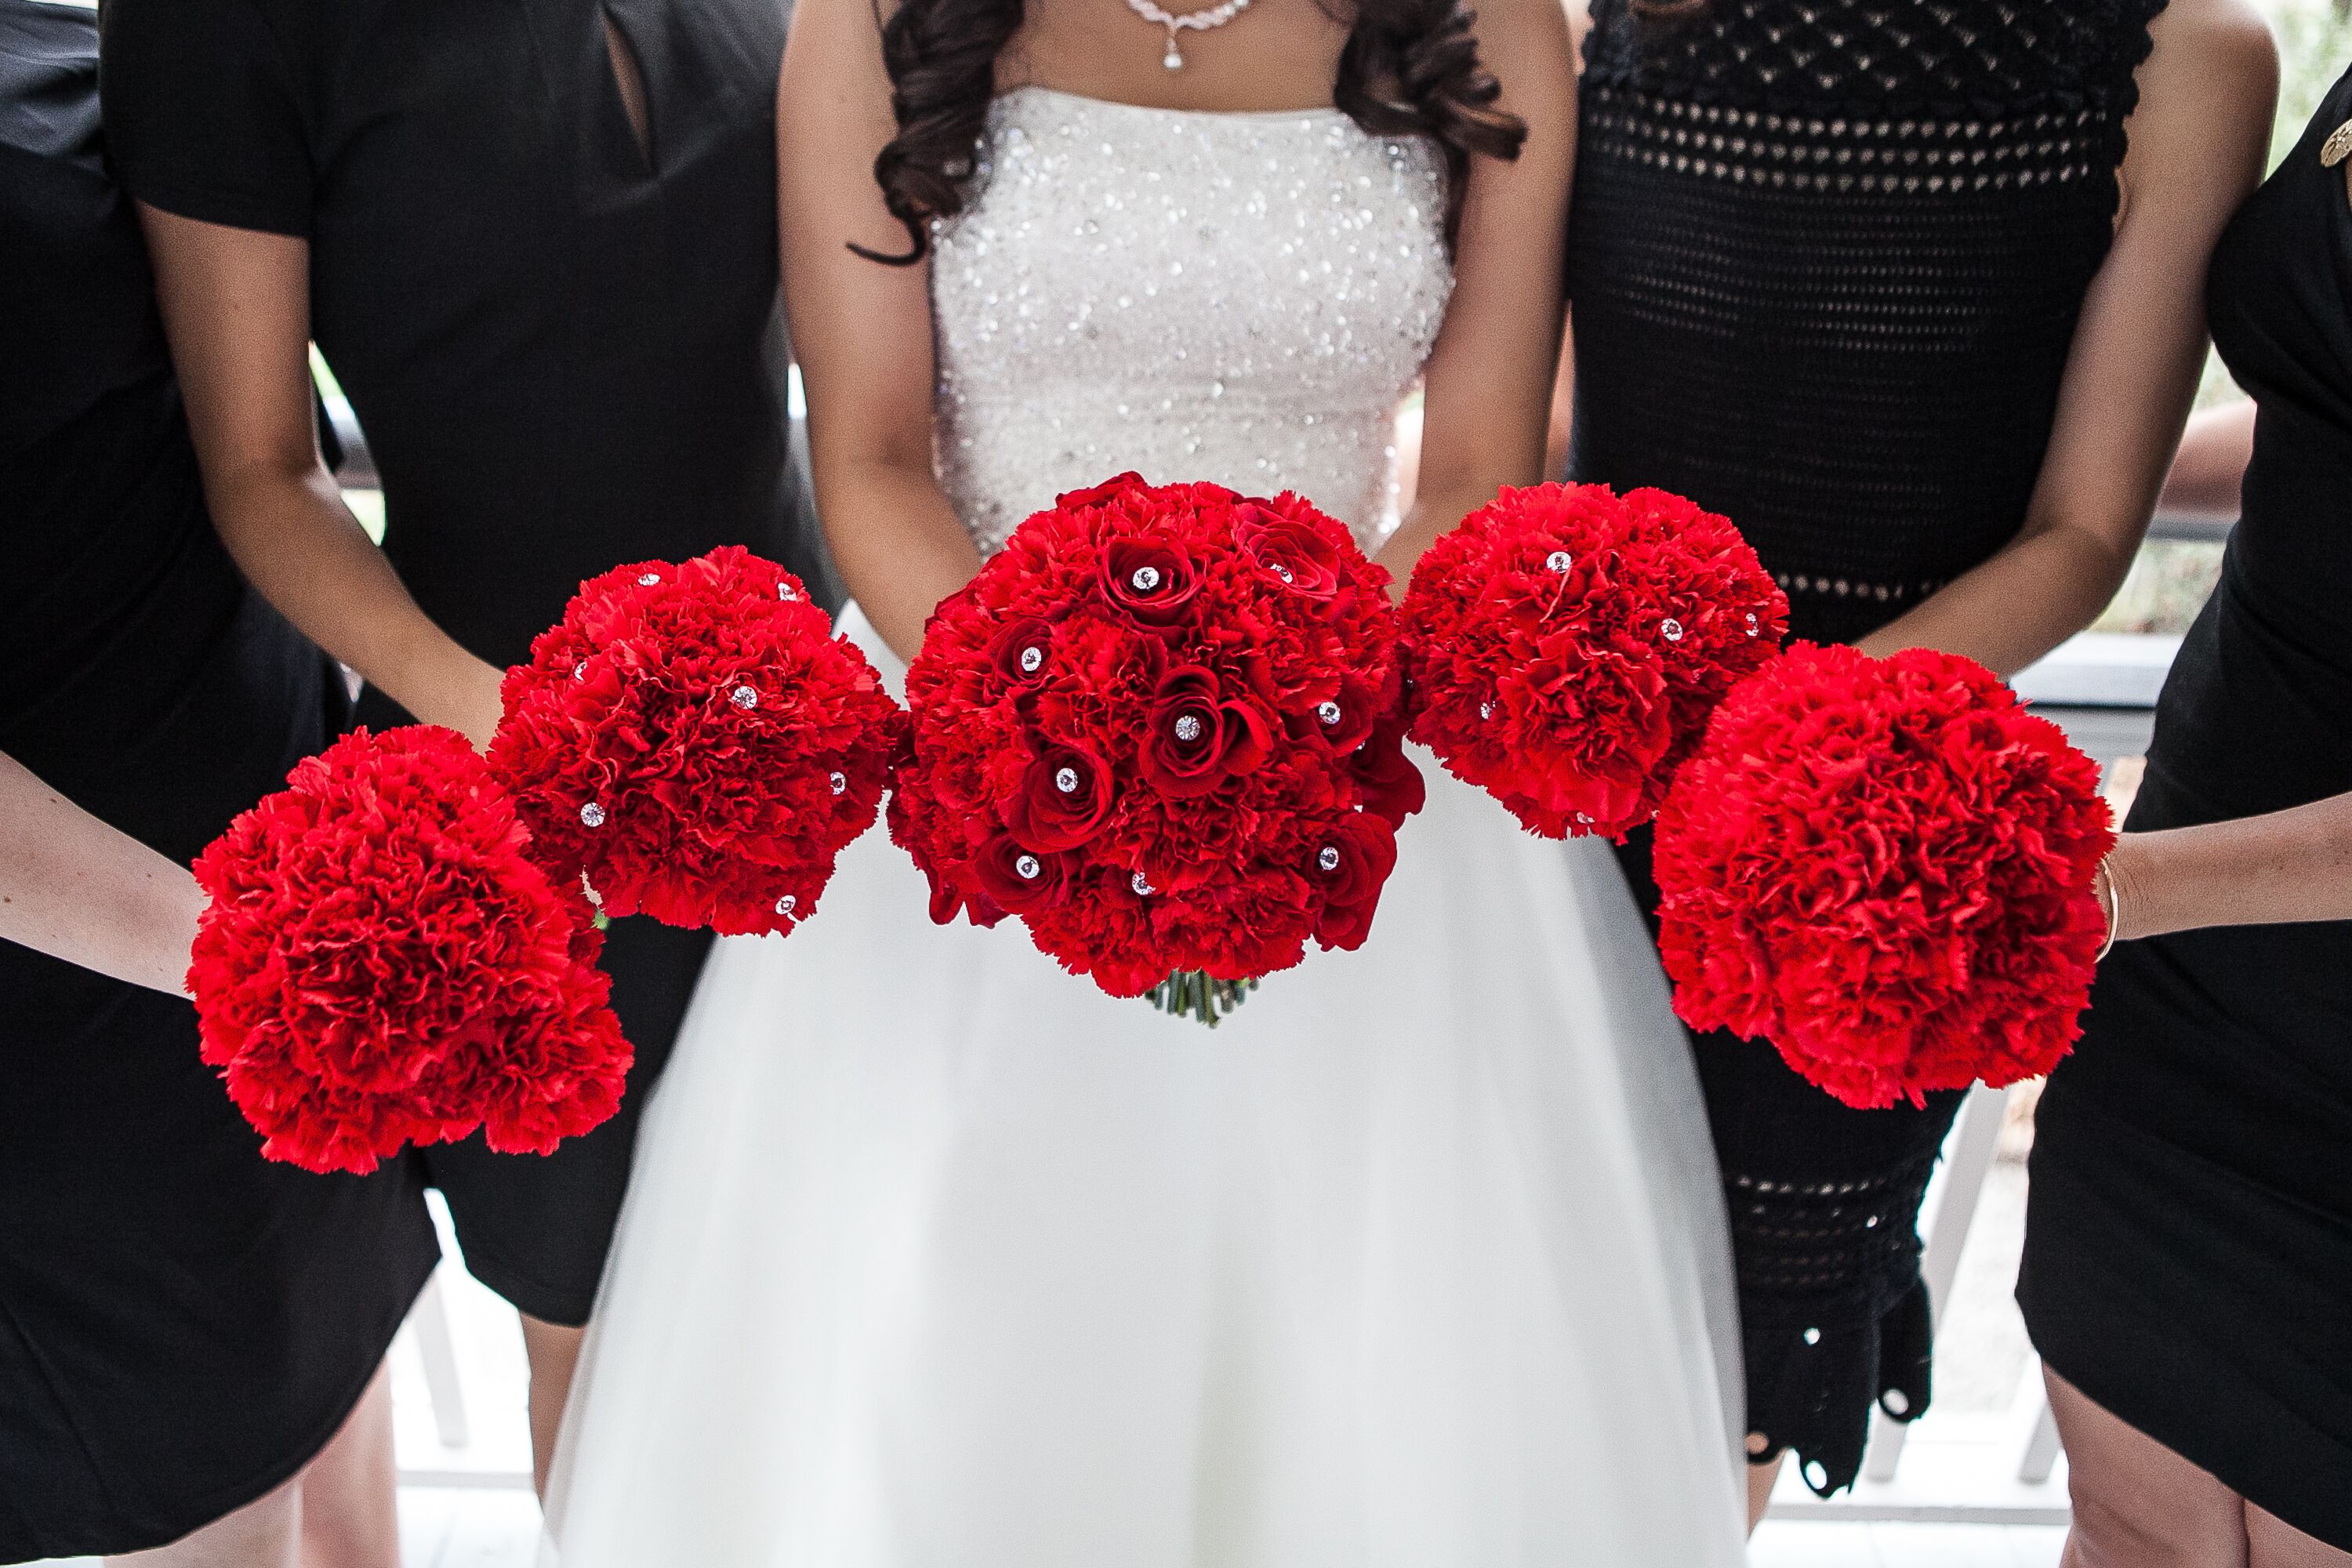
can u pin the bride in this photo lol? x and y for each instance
(935, 1254)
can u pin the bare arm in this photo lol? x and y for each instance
(2198, 143)
(2210, 465)
(1488, 401)
(862, 329)
(1563, 394)
(237, 304)
(77, 889)
(2273, 869)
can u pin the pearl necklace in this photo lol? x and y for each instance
(1198, 22)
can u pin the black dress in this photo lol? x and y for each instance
(1825, 263)
(565, 346)
(2188, 1237)
(182, 1324)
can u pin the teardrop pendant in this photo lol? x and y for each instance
(1173, 60)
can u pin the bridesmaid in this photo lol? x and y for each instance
(1909, 290)
(2188, 1273)
(536, 241)
(191, 1338)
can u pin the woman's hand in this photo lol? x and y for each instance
(236, 305)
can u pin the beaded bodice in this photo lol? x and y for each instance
(1238, 298)
(1826, 261)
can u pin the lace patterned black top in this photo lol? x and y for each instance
(1825, 262)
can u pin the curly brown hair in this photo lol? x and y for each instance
(1409, 67)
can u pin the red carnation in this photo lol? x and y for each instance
(1568, 644)
(696, 743)
(1885, 867)
(1142, 725)
(382, 965)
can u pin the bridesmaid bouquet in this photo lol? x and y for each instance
(1161, 728)
(1884, 866)
(1567, 646)
(694, 743)
(383, 963)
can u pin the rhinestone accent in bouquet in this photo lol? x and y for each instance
(1567, 644)
(1161, 728)
(692, 742)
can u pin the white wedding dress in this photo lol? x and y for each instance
(935, 1256)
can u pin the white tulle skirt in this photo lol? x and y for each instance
(935, 1256)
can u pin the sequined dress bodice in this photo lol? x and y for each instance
(1238, 298)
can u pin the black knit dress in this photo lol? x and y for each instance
(1825, 263)
(2188, 1241)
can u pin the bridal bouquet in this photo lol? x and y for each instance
(1161, 728)
(1567, 646)
(694, 743)
(1884, 866)
(382, 964)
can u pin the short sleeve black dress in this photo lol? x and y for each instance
(182, 1324)
(563, 343)
(1825, 263)
(2188, 1237)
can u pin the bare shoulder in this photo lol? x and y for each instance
(1528, 46)
(1529, 33)
(836, 20)
(2207, 93)
(2208, 57)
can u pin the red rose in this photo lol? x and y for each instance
(1169, 775)
(1292, 554)
(1152, 580)
(1064, 799)
(1345, 719)
(1019, 879)
(1019, 651)
(1391, 785)
(1118, 485)
(1200, 738)
(1352, 865)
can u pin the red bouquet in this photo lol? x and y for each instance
(1161, 728)
(1568, 644)
(1886, 866)
(694, 743)
(382, 964)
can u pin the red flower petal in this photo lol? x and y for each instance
(1885, 867)
(1186, 702)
